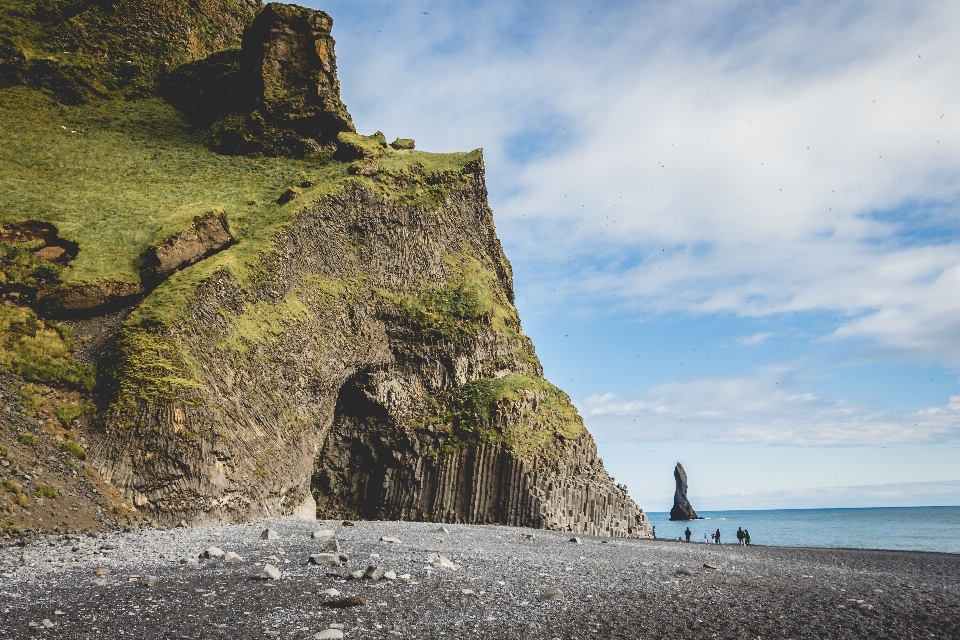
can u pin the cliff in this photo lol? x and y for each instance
(259, 311)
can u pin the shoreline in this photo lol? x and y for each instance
(614, 587)
(821, 548)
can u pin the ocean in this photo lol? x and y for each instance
(901, 528)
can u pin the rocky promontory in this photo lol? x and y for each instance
(222, 301)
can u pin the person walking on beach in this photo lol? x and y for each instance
(716, 537)
(740, 536)
(746, 537)
(687, 533)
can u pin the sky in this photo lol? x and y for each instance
(734, 226)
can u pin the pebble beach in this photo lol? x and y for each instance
(422, 580)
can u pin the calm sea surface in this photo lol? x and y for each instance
(906, 528)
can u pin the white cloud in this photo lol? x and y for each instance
(761, 410)
(757, 338)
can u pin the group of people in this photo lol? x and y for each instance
(743, 536)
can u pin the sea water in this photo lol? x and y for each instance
(901, 528)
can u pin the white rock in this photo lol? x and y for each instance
(329, 634)
(230, 556)
(390, 575)
(336, 625)
(442, 562)
(406, 577)
(326, 559)
(270, 572)
(332, 547)
(214, 553)
(373, 573)
(269, 534)
(390, 539)
(46, 622)
(551, 594)
(466, 592)
(357, 575)
(333, 593)
(323, 534)
(443, 530)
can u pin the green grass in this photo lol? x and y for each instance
(466, 303)
(67, 413)
(480, 415)
(46, 491)
(39, 351)
(26, 438)
(18, 495)
(74, 449)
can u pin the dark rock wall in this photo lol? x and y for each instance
(316, 393)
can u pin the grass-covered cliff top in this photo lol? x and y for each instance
(116, 177)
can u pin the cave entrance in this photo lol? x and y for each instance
(351, 471)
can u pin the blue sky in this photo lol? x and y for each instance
(734, 226)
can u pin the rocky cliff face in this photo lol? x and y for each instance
(349, 349)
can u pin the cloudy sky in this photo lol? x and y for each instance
(734, 226)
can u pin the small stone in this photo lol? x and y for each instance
(528, 536)
(336, 625)
(332, 547)
(270, 572)
(357, 575)
(269, 534)
(326, 559)
(346, 523)
(442, 530)
(551, 594)
(685, 571)
(390, 575)
(323, 534)
(467, 592)
(230, 556)
(373, 573)
(390, 539)
(148, 581)
(108, 547)
(188, 560)
(288, 196)
(575, 540)
(101, 582)
(343, 603)
(333, 593)
(46, 622)
(329, 634)
(441, 562)
(710, 566)
(101, 572)
(213, 553)
(406, 577)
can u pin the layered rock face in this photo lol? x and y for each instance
(323, 389)
(682, 509)
(348, 346)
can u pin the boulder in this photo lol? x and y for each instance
(207, 235)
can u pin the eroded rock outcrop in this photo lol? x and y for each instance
(342, 383)
(208, 234)
(682, 509)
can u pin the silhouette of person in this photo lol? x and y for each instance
(687, 533)
(716, 537)
(746, 537)
(740, 536)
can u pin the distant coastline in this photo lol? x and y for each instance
(893, 528)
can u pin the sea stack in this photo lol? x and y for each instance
(682, 509)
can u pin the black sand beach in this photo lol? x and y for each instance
(611, 588)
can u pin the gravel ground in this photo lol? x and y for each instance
(611, 588)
